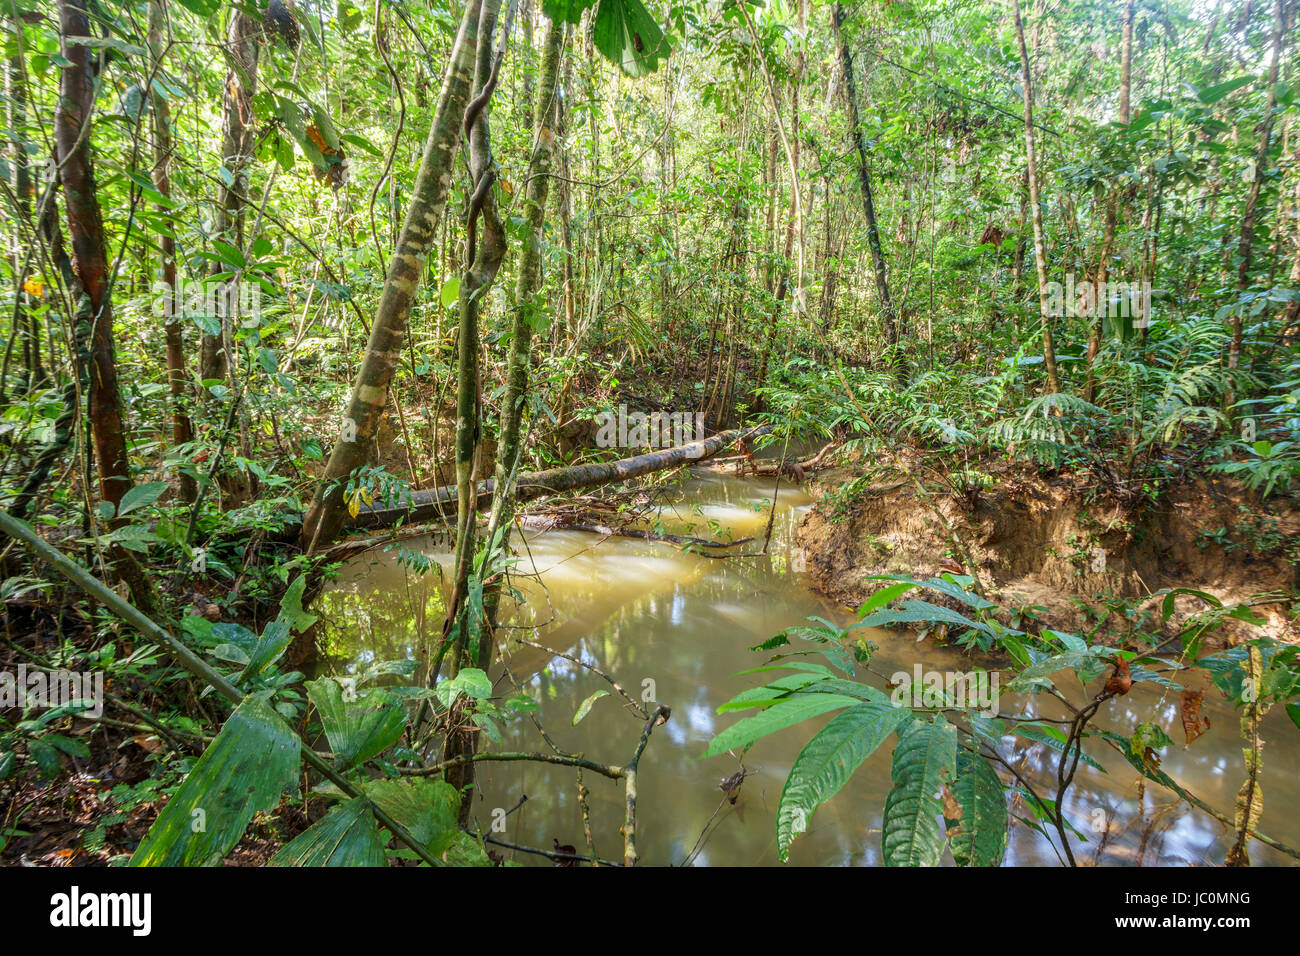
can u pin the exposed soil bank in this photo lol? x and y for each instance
(1040, 541)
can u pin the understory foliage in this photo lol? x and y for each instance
(952, 757)
(1061, 235)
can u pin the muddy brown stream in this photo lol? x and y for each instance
(681, 625)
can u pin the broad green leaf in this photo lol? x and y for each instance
(925, 760)
(357, 729)
(450, 292)
(770, 693)
(1212, 94)
(585, 707)
(626, 33)
(567, 11)
(1040, 672)
(828, 761)
(428, 809)
(243, 771)
(883, 597)
(470, 680)
(291, 609)
(979, 836)
(777, 717)
(204, 8)
(273, 642)
(139, 496)
(1053, 738)
(941, 584)
(914, 612)
(346, 836)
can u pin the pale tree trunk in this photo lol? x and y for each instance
(1036, 209)
(795, 224)
(177, 379)
(1102, 274)
(90, 262)
(242, 38)
(485, 248)
(888, 321)
(1245, 245)
(370, 392)
(529, 303)
(483, 256)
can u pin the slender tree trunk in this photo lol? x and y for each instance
(177, 377)
(370, 392)
(483, 256)
(243, 37)
(1126, 64)
(25, 323)
(529, 298)
(857, 142)
(1036, 209)
(1112, 201)
(1245, 245)
(90, 262)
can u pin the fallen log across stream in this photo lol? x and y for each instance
(439, 504)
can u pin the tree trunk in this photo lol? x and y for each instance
(26, 324)
(1246, 244)
(242, 38)
(857, 142)
(529, 304)
(1112, 200)
(177, 377)
(90, 262)
(1036, 210)
(370, 392)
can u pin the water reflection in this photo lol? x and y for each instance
(681, 625)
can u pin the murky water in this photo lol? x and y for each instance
(681, 625)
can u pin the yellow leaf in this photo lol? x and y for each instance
(354, 503)
(34, 286)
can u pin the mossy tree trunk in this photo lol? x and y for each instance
(370, 392)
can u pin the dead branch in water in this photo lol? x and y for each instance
(790, 469)
(439, 504)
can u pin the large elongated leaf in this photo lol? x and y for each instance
(357, 729)
(915, 612)
(951, 588)
(627, 34)
(244, 770)
(828, 761)
(978, 837)
(1053, 738)
(1039, 674)
(777, 717)
(273, 642)
(770, 693)
(346, 836)
(924, 761)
